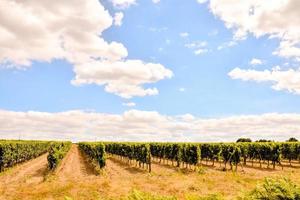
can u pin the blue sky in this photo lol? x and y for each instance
(188, 38)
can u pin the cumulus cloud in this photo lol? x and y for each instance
(256, 61)
(123, 4)
(288, 80)
(276, 19)
(124, 78)
(43, 30)
(136, 125)
(118, 18)
(71, 30)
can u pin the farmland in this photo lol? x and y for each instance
(119, 172)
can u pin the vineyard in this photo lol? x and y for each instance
(194, 154)
(154, 165)
(142, 154)
(14, 152)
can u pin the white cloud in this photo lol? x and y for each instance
(196, 44)
(124, 78)
(288, 80)
(155, 1)
(182, 89)
(118, 18)
(123, 4)
(135, 125)
(202, 1)
(276, 19)
(289, 49)
(158, 29)
(71, 30)
(200, 51)
(198, 47)
(129, 104)
(184, 34)
(43, 30)
(256, 61)
(187, 117)
(227, 45)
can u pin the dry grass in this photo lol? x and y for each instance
(75, 180)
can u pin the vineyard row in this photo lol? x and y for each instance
(13, 152)
(193, 154)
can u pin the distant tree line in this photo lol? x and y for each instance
(292, 139)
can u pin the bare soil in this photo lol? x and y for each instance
(74, 167)
(28, 174)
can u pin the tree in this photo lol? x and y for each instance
(244, 140)
(263, 140)
(292, 139)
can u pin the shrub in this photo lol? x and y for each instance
(275, 189)
(292, 139)
(244, 140)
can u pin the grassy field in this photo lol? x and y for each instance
(76, 179)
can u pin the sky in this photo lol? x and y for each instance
(149, 70)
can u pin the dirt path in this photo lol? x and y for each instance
(27, 181)
(74, 166)
(28, 173)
